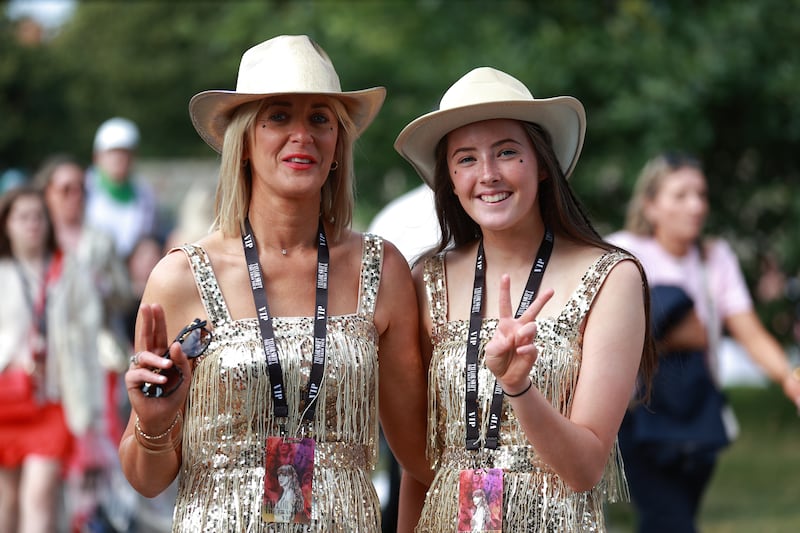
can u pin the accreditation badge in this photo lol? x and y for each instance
(480, 500)
(288, 477)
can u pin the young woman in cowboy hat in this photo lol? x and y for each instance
(538, 394)
(296, 307)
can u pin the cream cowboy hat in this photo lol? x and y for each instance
(487, 93)
(287, 64)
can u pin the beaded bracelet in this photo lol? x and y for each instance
(517, 395)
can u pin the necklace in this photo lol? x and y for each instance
(285, 251)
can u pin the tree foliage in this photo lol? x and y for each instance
(714, 78)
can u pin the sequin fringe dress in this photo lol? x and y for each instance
(229, 415)
(535, 499)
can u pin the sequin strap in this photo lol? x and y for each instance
(207, 285)
(371, 264)
(436, 289)
(593, 279)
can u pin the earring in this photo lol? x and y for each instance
(334, 165)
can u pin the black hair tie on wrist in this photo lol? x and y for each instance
(517, 395)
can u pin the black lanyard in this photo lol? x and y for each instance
(473, 342)
(280, 406)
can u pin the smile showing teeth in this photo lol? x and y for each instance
(493, 198)
(299, 160)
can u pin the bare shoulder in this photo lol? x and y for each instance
(172, 285)
(623, 285)
(171, 275)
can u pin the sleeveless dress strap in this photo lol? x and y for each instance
(436, 290)
(592, 281)
(370, 281)
(207, 285)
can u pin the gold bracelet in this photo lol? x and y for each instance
(159, 449)
(178, 417)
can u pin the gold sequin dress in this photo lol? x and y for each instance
(229, 414)
(535, 499)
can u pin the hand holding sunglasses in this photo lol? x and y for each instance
(194, 339)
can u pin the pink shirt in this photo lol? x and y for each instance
(728, 289)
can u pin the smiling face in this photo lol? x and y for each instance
(293, 145)
(494, 172)
(679, 207)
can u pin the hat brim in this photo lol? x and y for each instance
(563, 117)
(211, 111)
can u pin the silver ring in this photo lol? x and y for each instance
(135, 359)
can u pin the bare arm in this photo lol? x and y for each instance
(412, 498)
(578, 447)
(402, 378)
(765, 350)
(688, 334)
(151, 464)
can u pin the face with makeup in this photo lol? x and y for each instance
(494, 172)
(293, 144)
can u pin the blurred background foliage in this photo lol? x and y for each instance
(716, 78)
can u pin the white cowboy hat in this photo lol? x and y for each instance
(487, 93)
(287, 64)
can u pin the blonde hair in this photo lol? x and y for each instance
(649, 183)
(234, 187)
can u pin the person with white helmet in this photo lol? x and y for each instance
(118, 201)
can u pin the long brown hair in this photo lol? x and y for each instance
(560, 209)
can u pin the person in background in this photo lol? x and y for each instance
(48, 363)
(10, 178)
(89, 253)
(294, 308)
(533, 397)
(195, 217)
(119, 202)
(664, 230)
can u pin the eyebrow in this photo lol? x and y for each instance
(283, 103)
(494, 145)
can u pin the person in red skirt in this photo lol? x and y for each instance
(34, 437)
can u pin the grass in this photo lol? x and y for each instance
(756, 487)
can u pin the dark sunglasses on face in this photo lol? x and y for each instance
(194, 339)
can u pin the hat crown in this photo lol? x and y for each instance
(297, 64)
(483, 85)
(286, 64)
(116, 132)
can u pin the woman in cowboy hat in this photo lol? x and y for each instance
(538, 394)
(297, 306)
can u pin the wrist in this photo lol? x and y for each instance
(518, 391)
